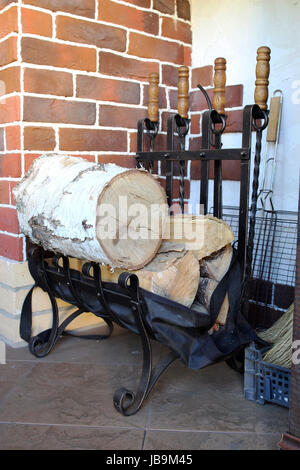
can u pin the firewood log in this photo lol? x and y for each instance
(173, 273)
(202, 234)
(97, 212)
(212, 270)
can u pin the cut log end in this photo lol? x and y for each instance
(131, 234)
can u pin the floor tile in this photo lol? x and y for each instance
(123, 347)
(10, 375)
(46, 437)
(178, 440)
(213, 410)
(77, 394)
(217, 376)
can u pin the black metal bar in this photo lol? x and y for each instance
(183, 126)
(204, 155)
(206, 138)
(218, 189)
(244, 190)
(140, 135)
(125, 401)
(169, 163)
(151, 128)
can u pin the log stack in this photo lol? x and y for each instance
(119, 218)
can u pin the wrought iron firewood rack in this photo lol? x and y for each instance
(125, 303)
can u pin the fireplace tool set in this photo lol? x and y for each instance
(186, 332)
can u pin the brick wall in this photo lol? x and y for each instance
(75, 77)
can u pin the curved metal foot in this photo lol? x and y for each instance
(126, 401)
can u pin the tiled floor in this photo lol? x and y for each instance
(64, 401)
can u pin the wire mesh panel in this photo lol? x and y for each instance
(273, 263)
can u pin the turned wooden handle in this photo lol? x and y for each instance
(153, 97)
(219, 98)
(183, 92)
(262, 76)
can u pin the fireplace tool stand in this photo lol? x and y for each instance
(86, 291)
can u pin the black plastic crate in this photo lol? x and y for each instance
(265, 382)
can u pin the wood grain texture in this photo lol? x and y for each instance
(183, 92)
(262, 70)
(219, 99)
(153, 97)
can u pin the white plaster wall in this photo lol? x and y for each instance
(234, 29)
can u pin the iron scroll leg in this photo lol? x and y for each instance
(126, 401)
(41, 344)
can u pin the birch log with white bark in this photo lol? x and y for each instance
(97, 212)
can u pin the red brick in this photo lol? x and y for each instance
(10, 80)
(13, 137)
(4, 3)
(176, 183)
(76, 7)
(203, 76)
(183, 9)
(107, 89)
(126, 161)
(176, 167)
(6, 187)
(164, 120)
(128, 16)
(140, 3)
(231, 170)
(162, 99)
(119, 66)
(198, 101)
(187, 56)
(11, 247)
(87, 32)
(176, 29)
(234, 96)
(195, 143)
(48, 82)
(160, 143)
(234, 122)
(155, 48)
(9, 220)
(36, 22)
(90, 140)
(58, 111)
(164, 6)
(170, 75)
(195, 123)
(9, 22)
(10, 165)
(8, 51)
(4, 192)
(39, 138)
(29, 159)
(10, 109)
(119, 116)
(173, 97)
(36, 51)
